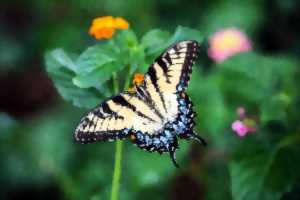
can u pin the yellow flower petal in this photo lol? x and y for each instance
(121, 23)
(103, 21)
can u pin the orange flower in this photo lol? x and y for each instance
(137, 80)
(121, 23)
(104, 27)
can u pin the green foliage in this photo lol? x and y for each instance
(267, 76)
(61, 68)
(156, 41)
(263, 172)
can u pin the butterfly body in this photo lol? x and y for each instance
(156, 114)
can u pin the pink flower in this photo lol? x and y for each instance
(226, 43)
(241, 112)
(239, 128)
(244, 125)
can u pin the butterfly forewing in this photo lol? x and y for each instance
(116, 117)
(170, 75)
(173, 68)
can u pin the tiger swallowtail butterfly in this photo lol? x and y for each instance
(156, 114)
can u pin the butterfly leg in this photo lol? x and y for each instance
(173, 158)
(193, 135)
(172, 150)
(196, 137)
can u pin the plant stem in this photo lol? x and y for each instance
(117, 171)
(127, 82)
(118, 155)
(115, 83)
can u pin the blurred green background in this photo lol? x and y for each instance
(39, 159)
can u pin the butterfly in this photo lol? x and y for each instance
(156, 114)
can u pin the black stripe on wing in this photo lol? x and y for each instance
(193, 49)
(86, 130)
(168, 59)
(144, 95)
(166, 62)
(119, 99)
(163, 64)
(91, 137)
(153, 77)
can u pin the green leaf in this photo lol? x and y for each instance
(63, 59)
(93, 58)
(155, 41)
(62, 77)
(274, 108)
(97, 76)
(137, 60)
(266, 173)
(257, 77)
(129, 52)
(185, 33)
(124, 40)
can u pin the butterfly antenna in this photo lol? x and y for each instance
(196, 137)
(173, 158)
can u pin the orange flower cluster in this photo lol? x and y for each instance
(104, 27)
(137, 80)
